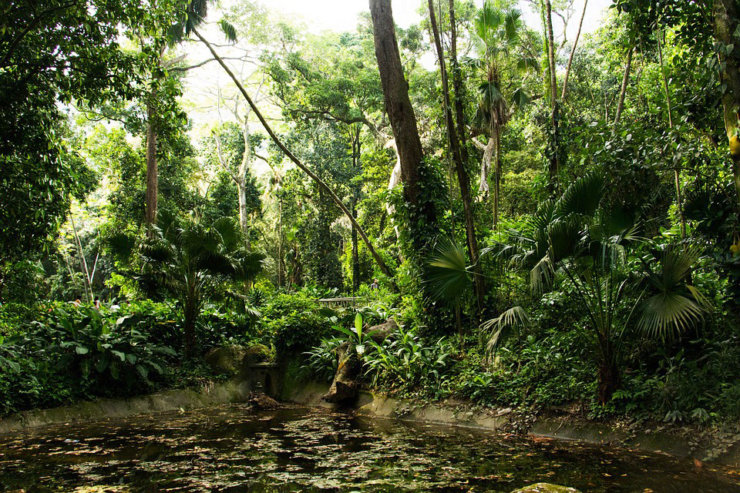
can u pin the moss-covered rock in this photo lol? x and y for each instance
(546, 488)
(226, 359)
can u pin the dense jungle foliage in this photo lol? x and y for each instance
(552, 220)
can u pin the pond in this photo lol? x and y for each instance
(232, 448)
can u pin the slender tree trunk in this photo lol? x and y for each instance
(241, 181)
(280, 264)
(457, 86)
(726, 20)
(462, 175)
(83, 260)
(496, 177)
(625, 81)
(191, 314)
(378, 259)
(355, 257)
(398, 106)
(573, 52)
(554, 117)
(243, 216)
(152, 176)
(676, 171)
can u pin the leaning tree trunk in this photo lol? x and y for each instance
(725, 26)
(572, 53)
(322, 185)
(399, 109)
(462, 175)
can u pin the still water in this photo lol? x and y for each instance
(232, 448)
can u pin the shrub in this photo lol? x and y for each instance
(70, 352)
(295, 322)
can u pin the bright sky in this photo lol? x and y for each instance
(341, 15)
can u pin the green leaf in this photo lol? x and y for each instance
(119, 354)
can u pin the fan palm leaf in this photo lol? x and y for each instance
(447, 272)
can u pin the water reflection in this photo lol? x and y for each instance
(231, 448)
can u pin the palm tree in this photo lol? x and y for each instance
(573, 238)
(498, 33)
(189, 259)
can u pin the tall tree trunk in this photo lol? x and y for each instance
(241, 181)
(83, 260)
(398, 106)
(726, 21)
(152, 176)
(573, 52)
(457, 86)
(243, 216)
(462, 175)
(496, 176)
(280, 263)
(488, 151)
(554, 117)
(676, 171)
(355, 256)
(625, 81)
(190, 307)
(378, 259)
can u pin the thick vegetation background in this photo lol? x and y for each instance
(553, 223)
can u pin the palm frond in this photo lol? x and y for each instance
(500, 327)
(582, 196)
(676, 305)
(228, 30)
(668, 314)
(447, 272)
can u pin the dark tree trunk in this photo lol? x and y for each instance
(609, 381)
(398, 106)
(457, 85)
(191, 313)
(346, 382)
(725, 25)
(456, 150)
(152, 177)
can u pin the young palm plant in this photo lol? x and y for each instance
(190, 259)
(449, 277)
(573, 239)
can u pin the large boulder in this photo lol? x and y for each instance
(546, 488)
(257, 353)
(226, 359)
